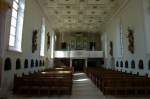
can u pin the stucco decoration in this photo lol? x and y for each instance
(131, 40)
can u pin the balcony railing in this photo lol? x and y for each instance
(79, 54)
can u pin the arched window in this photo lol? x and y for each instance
(7, 65)
(117, 64)
(18, 64)
(126, 64)
(133, 64)
(16, 27)
(32, 63)
(36, 63)
(121, 64)
(40, 63)
(26, 63)
(141, 64)
(137, 73)
(43, 63)
(149, 64)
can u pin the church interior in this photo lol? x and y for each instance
(75, 49)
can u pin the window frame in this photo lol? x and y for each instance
(16, 26)
(42, 43)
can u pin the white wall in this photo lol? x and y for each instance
(131, 15)
(2, 29)
(146, 5)
(2, 18)
(32, 20)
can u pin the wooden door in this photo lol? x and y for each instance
(78, 65)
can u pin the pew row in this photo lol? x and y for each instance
(112, 82)
(49, 82)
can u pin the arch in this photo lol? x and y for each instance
(26, 63)
(126, 64)
(7, 64)
(121, 64)
(18, 64)
(141, 64)
(32, 63)
(133, 64)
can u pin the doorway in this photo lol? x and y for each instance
(78, 65)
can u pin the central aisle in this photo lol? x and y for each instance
(83, 88)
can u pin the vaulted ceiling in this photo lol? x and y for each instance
(79, 15)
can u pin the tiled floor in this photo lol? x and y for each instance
(83, 88)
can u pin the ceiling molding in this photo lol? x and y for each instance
(79, 15)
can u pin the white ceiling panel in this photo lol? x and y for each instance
(98, 2)
(66, 1)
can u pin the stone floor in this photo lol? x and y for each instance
(83, 88)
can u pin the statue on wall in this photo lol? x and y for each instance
(4, 6)
(131, 40)
(48, 40)
(34, 41)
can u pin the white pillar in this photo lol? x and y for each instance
(70, 62)
(86, 62)
(52, 44)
